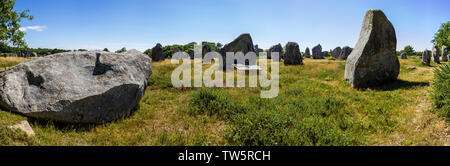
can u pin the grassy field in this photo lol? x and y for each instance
(315, 107)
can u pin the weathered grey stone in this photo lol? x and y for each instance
(206, 49)
(122, 50)
(23, 126)
(444, 54)
(76, 87)
(176, 49)
(411, 68)
(436, 55)
(336, 52)
(346, 51)
(106, 50)
(374, 60)
(426, 57)
(325, 54)
(191, 54)
(403, 56)
(317, 52)
(33, 54)
(276, 48)
(293, 55)
(258, 51)
(157, 53)
(307, 53)
(243, 43)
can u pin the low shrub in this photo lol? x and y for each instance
(441, 90)
(160, 81)
(213, 102)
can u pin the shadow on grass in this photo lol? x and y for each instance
(400, 84)
(76, 127)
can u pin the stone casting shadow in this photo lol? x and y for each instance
(400, 84)
(77, 127)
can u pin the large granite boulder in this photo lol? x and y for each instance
(336, 52)
(157, 53)
(76, 87)
(317, 52)
(307, 53)
(106, 50)
(345, 52)
(426, 57)
(374, 60)
(436, 55)
(444, 54)
(276, 48)
(243, 43)
(293, 55)
(33, 54)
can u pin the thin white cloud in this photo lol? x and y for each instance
(33, 28)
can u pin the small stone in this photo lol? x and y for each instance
(404, 56)
(23, 126)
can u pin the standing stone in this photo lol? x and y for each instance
(345, 52)
(307, 53)
(157, 53)
(276, 48)
(317, 52)
(444, 54)
(176, 49)
(243, 43)
(191, 54)
(23, 126)
(106, 50)
(258, 51)
(325, 54)
(205, 49)
(293, 55)
(403, 56)
(374, 59)
(76, 87)
(435, 54)
(426, 57)
(336, 52)
(122, 50)
(33, 54)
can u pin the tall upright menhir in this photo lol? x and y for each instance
(373, 61)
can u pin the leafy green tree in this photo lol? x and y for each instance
(10, 24)
(148, 51)
(219, 45)
(442, 36)
(409, 50)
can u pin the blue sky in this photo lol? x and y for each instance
(140, 24)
